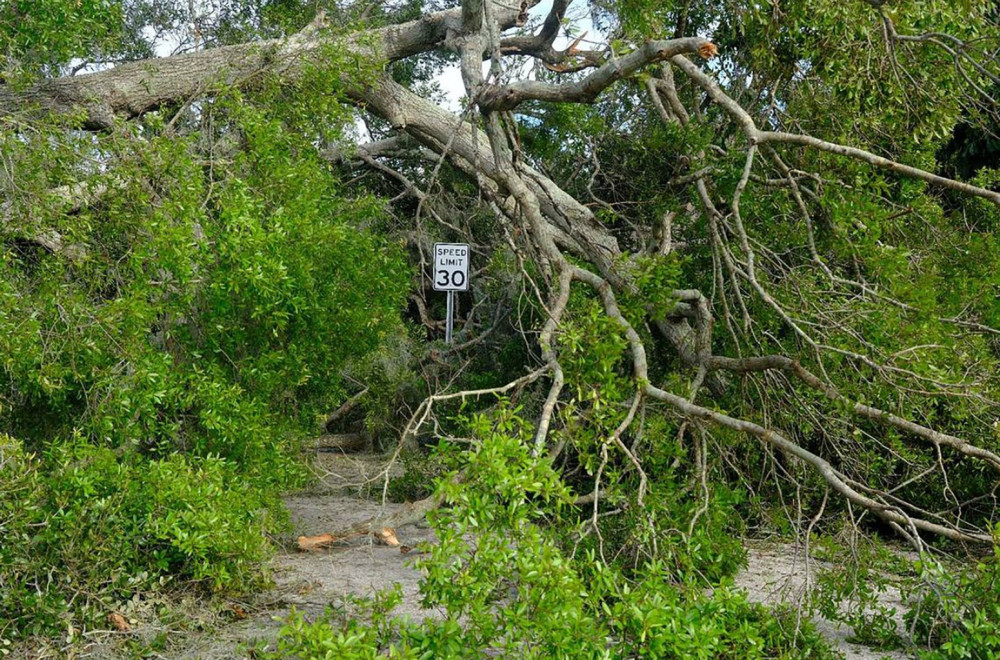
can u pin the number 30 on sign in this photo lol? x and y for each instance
(451, 267)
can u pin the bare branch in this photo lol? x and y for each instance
(789, 365)
(878, 161)
(508, 97)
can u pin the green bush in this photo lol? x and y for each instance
(159, 376)
(958, 616)
(207, 314)
(80, 525)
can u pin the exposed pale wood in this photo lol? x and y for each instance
(376, 526)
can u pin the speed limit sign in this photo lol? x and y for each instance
(451, 267)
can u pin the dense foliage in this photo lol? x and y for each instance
(753, 296)
(164, 358)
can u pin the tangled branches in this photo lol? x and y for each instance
(554, 226)
(794, 327)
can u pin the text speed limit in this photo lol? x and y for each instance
(451, 267)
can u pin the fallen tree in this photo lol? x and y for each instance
(802, 302)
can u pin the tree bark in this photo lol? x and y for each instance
(129, 90)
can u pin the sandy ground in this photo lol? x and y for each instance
(778, 573)
(310, 582)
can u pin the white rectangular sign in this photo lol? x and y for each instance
(451, 266)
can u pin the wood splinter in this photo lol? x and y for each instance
(318, 542)
(385, 536)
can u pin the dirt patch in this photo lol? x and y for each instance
(780, 574)
(312, 581)
(359, 566)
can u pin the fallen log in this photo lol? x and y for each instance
(382, 528)
(342, 411)
(345, 442)
(318, 542)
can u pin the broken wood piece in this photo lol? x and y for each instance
(318, 542)
(708, 50)
(405, 515)
(387, 536)
(119, 622)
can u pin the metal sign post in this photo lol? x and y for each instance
(450, 323)
(451, 274)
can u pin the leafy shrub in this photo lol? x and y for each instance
(79, 524)
(159, 375)
(959, 615)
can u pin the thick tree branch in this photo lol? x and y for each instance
(508, 97)
(129, 90)
(539, 45)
